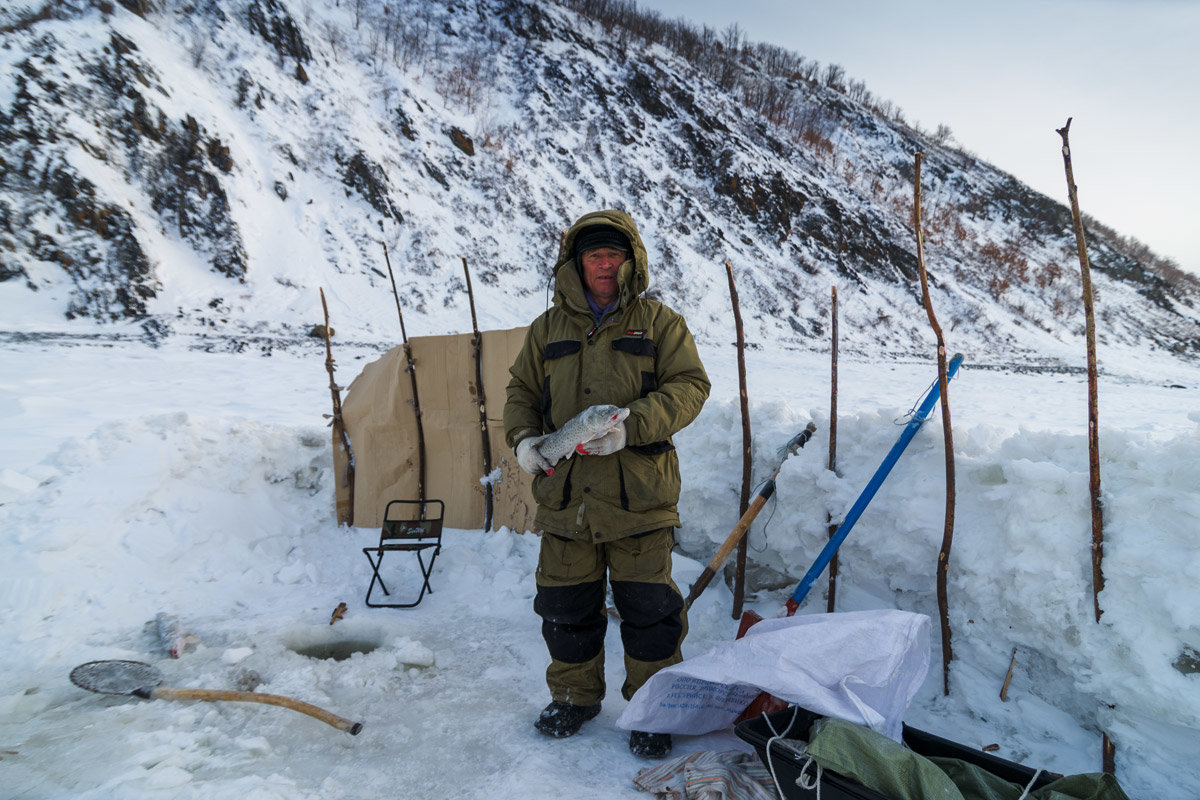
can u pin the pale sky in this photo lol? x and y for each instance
(1004, 75)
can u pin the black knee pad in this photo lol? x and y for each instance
(573, 620)
(651, 619)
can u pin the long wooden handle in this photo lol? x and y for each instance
(342, 724)
(731, 542)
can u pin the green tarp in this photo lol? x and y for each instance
(898, 773)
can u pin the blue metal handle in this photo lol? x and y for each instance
(860, 505)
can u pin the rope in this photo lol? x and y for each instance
(1029, 786)
(804, 781)
(776, 736)
(907, 416)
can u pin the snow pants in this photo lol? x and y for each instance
(571, 580)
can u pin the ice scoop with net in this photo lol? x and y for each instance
(143, 680)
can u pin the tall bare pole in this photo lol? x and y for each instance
(477, 348)
(1093, 393)
(943, 564)
(739, 580)
(411, 369)
(1108, 749)
(345, 513)
(831, 464)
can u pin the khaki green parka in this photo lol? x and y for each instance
(640, 356)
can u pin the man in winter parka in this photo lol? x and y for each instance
(608, 512)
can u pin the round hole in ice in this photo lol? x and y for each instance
(334, 645)
(335, 651)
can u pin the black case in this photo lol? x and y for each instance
(787, 763)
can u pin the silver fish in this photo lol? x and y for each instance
(589, 424)
(171, 635)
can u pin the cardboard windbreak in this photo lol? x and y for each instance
(380, 419)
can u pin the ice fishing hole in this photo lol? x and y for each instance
(328, 644)
(335, 650)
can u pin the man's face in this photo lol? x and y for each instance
(600, 273)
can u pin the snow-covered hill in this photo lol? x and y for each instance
(205, 167)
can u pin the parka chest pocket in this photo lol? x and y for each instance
(563, 347)
(635, 345)
(640, 346)
(552, 357)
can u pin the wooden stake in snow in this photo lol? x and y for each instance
(831, 465)
(1108, 749)
(411, 369)
(345, 510)
(1093, 403)
(948, 531)
(477, 349)
(739, 580)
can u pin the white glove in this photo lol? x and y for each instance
(604, 445)
(530, 458)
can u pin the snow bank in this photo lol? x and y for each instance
(220, 512)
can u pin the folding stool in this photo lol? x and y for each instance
(409, 526)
